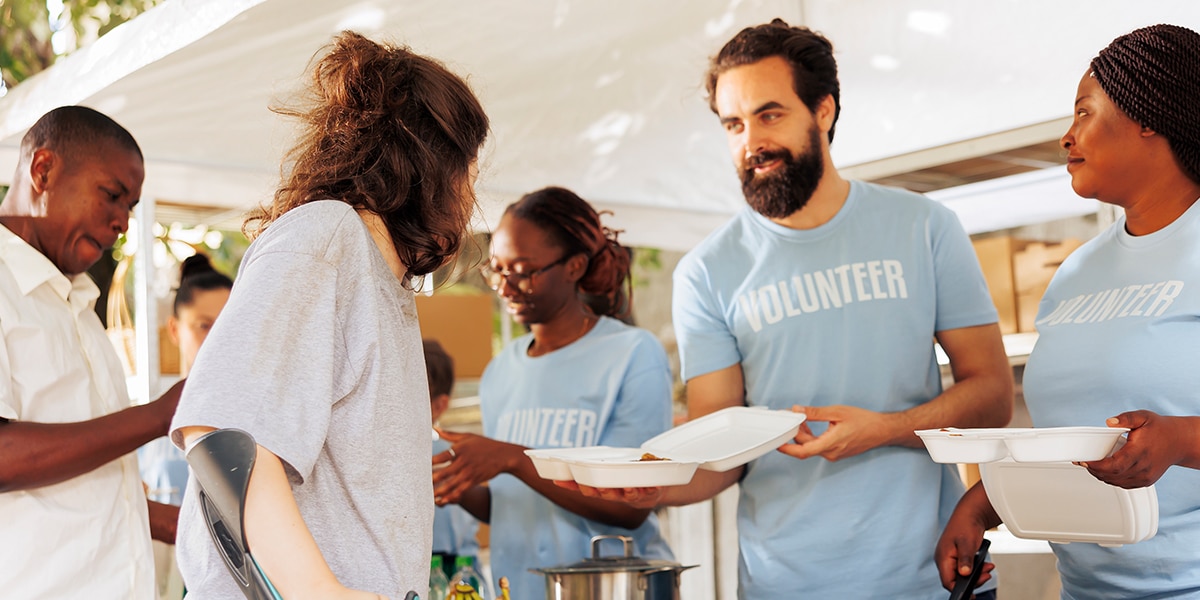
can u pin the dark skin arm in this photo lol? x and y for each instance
(164, 518)
(478, 502)
(34, 455)
(1155, 443)
(963, 534)
(478, 459)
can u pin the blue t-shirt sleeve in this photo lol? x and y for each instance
(642, 408)
(706, 343)
(962, 294)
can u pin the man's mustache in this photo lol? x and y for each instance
(755, 160)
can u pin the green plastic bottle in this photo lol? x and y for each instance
(439, 586)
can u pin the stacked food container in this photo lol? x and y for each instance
(1039, 491)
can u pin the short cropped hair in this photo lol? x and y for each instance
(439, 368)
(73, 131)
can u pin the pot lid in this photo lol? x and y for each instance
(611, 564)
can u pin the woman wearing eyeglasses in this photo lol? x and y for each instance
(579, 378)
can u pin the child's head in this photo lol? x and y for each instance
(439, 368)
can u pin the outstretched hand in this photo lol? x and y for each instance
(471, 460)
(637, 497)
(1154, 444)
(851, 432)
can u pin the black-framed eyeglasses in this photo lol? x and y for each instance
(522, 281)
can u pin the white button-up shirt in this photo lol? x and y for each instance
(87, 537)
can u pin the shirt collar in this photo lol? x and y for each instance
(31, 268)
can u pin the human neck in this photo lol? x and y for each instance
(1160, 204)
(826, 201)
(383, 241)
(561, 332)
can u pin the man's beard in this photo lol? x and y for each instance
(784, 191)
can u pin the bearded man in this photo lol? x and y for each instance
(825, 296)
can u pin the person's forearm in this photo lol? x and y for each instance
(164, 520)
(602, 511)
(478, 502)
(705, 485)
(34, 455)
(983, 400)
(1191, 458)
(975, 505)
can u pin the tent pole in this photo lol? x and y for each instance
(145, 316)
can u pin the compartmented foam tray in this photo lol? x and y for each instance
(720, 441)
(1038, 491)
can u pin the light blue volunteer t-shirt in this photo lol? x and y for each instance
(841, 314)
(612, 387)
(454, 529)
(1119, 330)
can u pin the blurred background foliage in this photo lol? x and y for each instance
(35, 33)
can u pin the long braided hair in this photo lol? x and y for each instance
(1153, 75)
(575, 226)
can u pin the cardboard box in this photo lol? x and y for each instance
(1017, 273)
(996, 259)
(1034, 264)
(463, 325)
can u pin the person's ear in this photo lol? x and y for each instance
(577, 267)
(41, 164)
(438, 405)
(1147, 132)
(173, 329)
(825, 113)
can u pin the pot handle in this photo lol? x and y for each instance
(626, 540)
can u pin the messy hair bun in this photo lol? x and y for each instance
(575, 226)
(390, 131)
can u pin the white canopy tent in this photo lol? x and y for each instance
(602, 97)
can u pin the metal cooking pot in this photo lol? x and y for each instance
(614, 577)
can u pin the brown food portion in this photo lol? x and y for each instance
(647, 457)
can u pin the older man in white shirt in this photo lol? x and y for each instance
(75, 520)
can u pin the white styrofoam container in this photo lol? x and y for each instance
(551, 463)
(1061, 502)
(1023, 444)
(717, 442)
(730, 437)
(964, 446)
(1056, 444)
(1038, 491)
(629, 471)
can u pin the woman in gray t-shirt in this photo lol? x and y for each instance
(318, 352)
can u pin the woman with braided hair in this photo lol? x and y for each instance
(318, 352)
(1119, 325)
(579, 378)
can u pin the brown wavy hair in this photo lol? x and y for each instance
(575, 226)
(390, 131)
(810, 54)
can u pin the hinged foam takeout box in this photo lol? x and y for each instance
(1038, 491)
(719, 441)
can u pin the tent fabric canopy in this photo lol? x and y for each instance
(602, 97)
